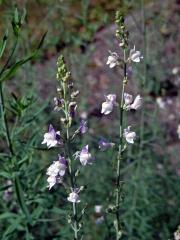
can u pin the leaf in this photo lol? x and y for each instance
(7, 215)
(3, 44)
(21, 199)
(5, 174)
(13, 69)
(12, 227)
(10, 72)
(37, 212)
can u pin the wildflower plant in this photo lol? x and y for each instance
(126, 102)
(63, 171)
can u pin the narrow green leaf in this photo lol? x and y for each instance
(13, 69)
(10, 72)
(3, 44)
(7, 215)
(5, 174)
(21, 199)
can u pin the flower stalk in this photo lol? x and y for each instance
(126, 103)
(75, 223)
(66, 104)
(120, 152)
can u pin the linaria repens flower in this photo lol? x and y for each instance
(73, 197)
(177, 234)
(83, 126)
(56, 171)
(8, 193)
(104, 145)
(128, 99)
(113, 60)
(160, 102)
(58, 103)
(137, 103)
(130, 104)
(99, 220)
(129, 135)
(98, 208)
(51, 138)
(72, 108)
(107, 106)
(85, 157)
(135, 56)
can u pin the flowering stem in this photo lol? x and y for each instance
(75, 228)
(119, 157)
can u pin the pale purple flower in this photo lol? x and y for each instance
(135, 56)
(56, 171)
(128, 99)
(99, 220)
(130, 104)
(137, 103)
(7, 194)
(98, 208)
(73, 197)
(72, 108)
(107, 106)
(58, 103)
(129, 135)
(161, 103)
(84, 156)
(113, 59)
(104, 145)
(83, 127)
(51, 138)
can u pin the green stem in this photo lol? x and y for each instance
(75, 224)
(120, 157)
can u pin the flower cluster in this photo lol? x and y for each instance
(126, 103)
(65, 102)
(56, 171)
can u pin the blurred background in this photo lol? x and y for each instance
(84, 31)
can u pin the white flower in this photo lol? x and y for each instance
(98, 208)
(99, 220)
(56, 171)
(85, 157)
(137, 102)
(178, 131)
(161, 103)
(135, 56)
(107, 106)
(112, 60)
(128, 99)
(51, 138)
(175, 70)
(129, 135)
(130, 104)
(73, 197)
(177, 235)
(51, 181)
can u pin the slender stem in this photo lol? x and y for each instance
(75, 224)
(119, 157)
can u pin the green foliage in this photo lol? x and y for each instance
(28, 210)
